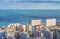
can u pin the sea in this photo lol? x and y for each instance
(25, 16)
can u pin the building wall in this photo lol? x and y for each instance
(25, 28)
(30, 28)
(51, 22)
(20, 28)
(36, 22)
(11, 29)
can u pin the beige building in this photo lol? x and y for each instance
(20, 27)
(29, 28)
(11, 28)
(25, 28)
(51, 22)
(36, 22)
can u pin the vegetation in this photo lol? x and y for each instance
(30, 32)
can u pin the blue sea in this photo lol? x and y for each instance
(25, 16)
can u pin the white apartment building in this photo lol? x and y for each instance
(36, 22)
(51, 22)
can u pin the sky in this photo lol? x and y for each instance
(30, 0)
(15, 4)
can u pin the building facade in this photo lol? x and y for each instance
(51, 22)
(36, 22)
(11, 29)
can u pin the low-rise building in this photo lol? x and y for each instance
(11, 29)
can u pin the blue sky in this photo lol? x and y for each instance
(30, 0)
(7, 4)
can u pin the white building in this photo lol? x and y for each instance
(30, 28)
(36, 22)
(51, 22)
